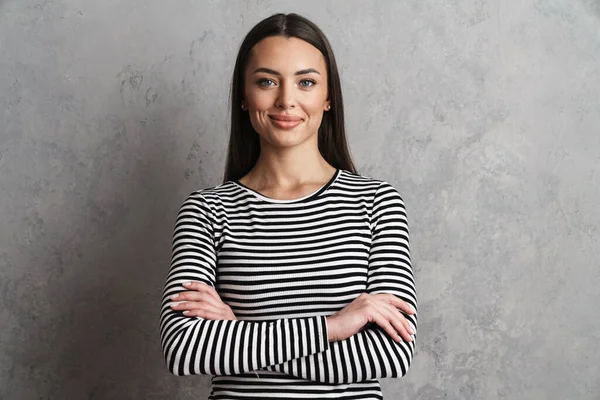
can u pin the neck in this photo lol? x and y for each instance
(290, 167)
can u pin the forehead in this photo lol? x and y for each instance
(286, 55)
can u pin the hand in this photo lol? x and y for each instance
(202, 301)
(382, 309)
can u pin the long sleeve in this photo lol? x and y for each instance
(192, 345)
(372, 353)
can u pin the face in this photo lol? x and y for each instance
(285, 91)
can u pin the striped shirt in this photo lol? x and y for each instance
(283, 266)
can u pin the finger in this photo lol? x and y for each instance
(401, 304)
(197, 296)
(189, 296)
(188, 305)
(197, 305)
(404, 321)
(398, 317)
(203, 309)
(205, 313)
(223, 309)
(384, 322)
(203, 288)
(183, 305)
(397, 320)
(390, 303)
(413, 329)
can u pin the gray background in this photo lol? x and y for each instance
(484, 114)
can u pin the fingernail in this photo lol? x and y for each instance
(187, 283)
(186, 312)
(411, 331)
(412, 308)
(174, 296)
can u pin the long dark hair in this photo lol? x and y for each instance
(244, 144)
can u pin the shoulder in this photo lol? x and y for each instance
(378, 187)
(209, 201)
(214, 195)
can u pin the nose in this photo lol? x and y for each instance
(286, 99)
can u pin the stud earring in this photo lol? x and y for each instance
(328, 107)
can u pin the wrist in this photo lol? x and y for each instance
(331, 329)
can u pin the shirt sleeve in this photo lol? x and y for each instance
(192, 345)
(372, 353)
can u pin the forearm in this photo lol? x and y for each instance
(369, 354)
(193, 346)
(197, 345)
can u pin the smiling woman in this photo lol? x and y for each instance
(293, 277)
(290, 93)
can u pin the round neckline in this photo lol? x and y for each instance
(309, 196)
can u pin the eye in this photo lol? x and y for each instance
(266, 82)
(307, 83)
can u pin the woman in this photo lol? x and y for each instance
(291, 278)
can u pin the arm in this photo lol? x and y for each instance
(193, 345)
(372, 353)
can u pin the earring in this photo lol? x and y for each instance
(243, 107)
(328, 107)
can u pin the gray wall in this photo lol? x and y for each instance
(484, 114)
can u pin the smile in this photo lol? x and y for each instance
(285, 121)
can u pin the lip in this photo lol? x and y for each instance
(286, 121)
(285, 117)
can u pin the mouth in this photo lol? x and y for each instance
(286, 118)
(286, 121)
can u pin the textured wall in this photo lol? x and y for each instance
(484, 114)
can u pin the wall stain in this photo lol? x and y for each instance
(151, 96)
(195, 148)
(195, 54)
(14, 96)
(43, 5)
(132, 80)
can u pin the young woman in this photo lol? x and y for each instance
(292, 278)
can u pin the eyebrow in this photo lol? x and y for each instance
(273, 72)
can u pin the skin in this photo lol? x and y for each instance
(290, 164)
(289, 76)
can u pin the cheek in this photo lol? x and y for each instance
(316, 117)
(315, 108)
(315, 104)
(259, 99)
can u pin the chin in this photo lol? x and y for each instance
(285, 138)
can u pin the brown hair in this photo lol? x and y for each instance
(244, 144)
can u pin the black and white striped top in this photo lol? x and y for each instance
(283, 266)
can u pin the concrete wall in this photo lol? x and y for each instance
(484, 114)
